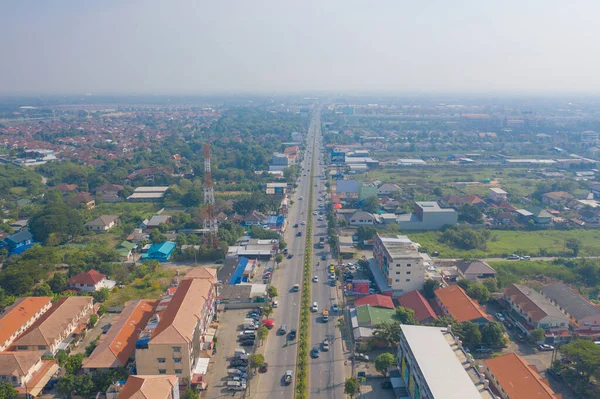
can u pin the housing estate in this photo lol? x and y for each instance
(20, 316)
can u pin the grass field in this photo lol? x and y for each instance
(503, 243)
(149, 287)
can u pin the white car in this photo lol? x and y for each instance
(275, 304)
(303, 223)
(315, 279)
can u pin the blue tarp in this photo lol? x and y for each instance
(236, 277)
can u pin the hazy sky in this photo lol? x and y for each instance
(200, 46)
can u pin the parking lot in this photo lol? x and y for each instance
(229, 328)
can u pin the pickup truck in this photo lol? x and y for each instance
(325, 315)
(287, 378)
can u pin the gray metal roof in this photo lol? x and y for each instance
(570, 301)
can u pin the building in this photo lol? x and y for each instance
(453, 301)
(109, 192)
(254, 218)
(52, 331)
(125, 250)
(388, 189)
(428, 216)
(149, 387)
(83, 199)
(376, 300)
(26, 371)
(276, 188)
(116, 347)
(90, 281)
(476, 270)
(362, 218)
(161, 252)
(544, 218)
(534, 309)
(414, 300)
(583, 314)
(156, 221)
(433, 365)
(18, 242)
(102, 223)
(498, 195)
(347, 189)
(513, 378)
(556, 199)
(148, 194)
(65, 188)
(280, 160)
(364, 318)
(457, 201)
(399, 262)
(20, 316)
(174, 336)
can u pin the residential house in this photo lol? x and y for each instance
(236, 294)
(26, 371)
(52, 331)
(582, 313)
(364, 318)
(556, 199)
(590, 216)
(457, 201)
(20, 316)
(254, 218)
(423, 311)
(18, 242)
(83, 199)
(161, 252)
(534, 308)
(376, 300)
(19, 225)
(362, 218)
(504, 218)
(595, 189)
(150, 387)
(453, 301)
(475, 270)
(347, 189)
(116, 347)
(90, 281)
(498, 195)
(109, 192)
(155, 221)
(544, 218)
(172, 340)
(147, 173)
(388, 189)
(428, 215)
(65, 188)
(524, 216)
(102, 223)
(513, 378)
(125, 250)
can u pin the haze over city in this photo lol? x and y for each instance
(198, 47)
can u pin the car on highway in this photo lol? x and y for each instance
(315, 352)
(282, 330)
(314, 307)
(301, 197)
(290, 256)
(288, 377)
(324, 257)
(526, 257)
(325, 345)
(296, 288)
(545, 347)
(514, 257)
(292, 334)
(335, 307)
(295, 225)
(299, 234)
(275, 304)
(315, 279)
(303, 223)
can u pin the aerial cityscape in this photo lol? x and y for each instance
(313, 200)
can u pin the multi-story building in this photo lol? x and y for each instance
(534, 309)
(146, 386)
(498, 195)
(582, 312)
(399, 262)
(172, 340)
(52, 330)
(27, 372)
(428, 215)
(433, 365)
(20, 316)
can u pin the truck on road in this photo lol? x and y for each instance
(325, 315)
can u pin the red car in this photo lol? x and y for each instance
(264, 368)
(268, 323)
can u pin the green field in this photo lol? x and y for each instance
(504, 243)
(151, 286)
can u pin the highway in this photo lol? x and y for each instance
(281, 353)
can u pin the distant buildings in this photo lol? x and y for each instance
(102, 223)
(428, 216)
(148, 194)
(498, 195)
(582, 313)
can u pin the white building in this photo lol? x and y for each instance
(498, 195)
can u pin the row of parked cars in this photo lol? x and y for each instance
(237, 373)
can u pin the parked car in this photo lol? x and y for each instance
(514, 257)
(249, 342)
(386, 384)
(290, 256)
(324, 257)
(264, 368)
(554, 374)
(275, 304)
(545, 347)
(361, 356)
(483, 349)
(335, 307)
(500, 317)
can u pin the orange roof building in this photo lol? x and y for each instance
(453, 301)
(20, 317)
(116, 347)
(380, 301)
(150, 387)
(415, 301)
(513, 378)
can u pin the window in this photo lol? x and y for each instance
(408, 280)
(21, 348)
(397, 272)
(177, 349)
(407, 272)
(408, 265)
(397, 280)
(162, 371)
(177, 359)
(161, 360)
(42, 347)
(178, 371)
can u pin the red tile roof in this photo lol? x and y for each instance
(381, 301)
(22, 311)
(459, 305)
(92, 277)
(415, 301)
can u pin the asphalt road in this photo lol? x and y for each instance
(279, 352)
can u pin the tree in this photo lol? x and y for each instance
(101, 295)
(83, 385)
(58, 283)
(93, 320)
(352, 387)
(157, 237)
(585, 356)
(383, 362)
(65, 385)
(491, 284)
(263, 332)
(470, 214)
(537, 334)
(429, 288)
(256, 360)
(268, 310)
(492, 334)
(366, 232)
(7, 391)
(190, 394)
(371, 204)
(574, 245)
(42, 290)
(469, 333)
(406, 315)
(272, 291)
(479, 292)
(57, 218)
(279, 258)
(62, 356)
(282, 244)
(73, 363)
(388, 332)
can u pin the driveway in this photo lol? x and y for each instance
(92, 334)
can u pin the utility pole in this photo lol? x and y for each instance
(211, 227)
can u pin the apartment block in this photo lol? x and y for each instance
(400, 263)
(19, 317)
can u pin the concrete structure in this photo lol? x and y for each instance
(400, 263)
(150, 387)
(513, 378)
(280, 160)
(52, 331)
(534, 308)
(102, 223)
(90, 281)
(581, 312)
(276, 188)
(498, 195)
(116, 347)
(19, 317)
(175, 335)
(453, 301)
(428, 216)
(431, 366)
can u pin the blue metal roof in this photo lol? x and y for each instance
(236, 277)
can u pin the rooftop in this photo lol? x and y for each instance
(573, 303)
(415, 301)
(18, 363)
(149, 387)
(381, 301)
(497, 190)
(432, 206)
(151, 189)
(91, 277)
(368, 315)
(398, 246)
(17, 315)
(533, 303)
(460, 306)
